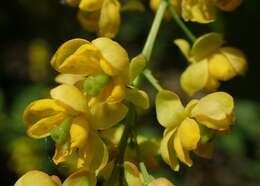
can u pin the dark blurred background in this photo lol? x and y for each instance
(30, 32)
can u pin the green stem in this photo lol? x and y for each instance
(178, 20)
(153, 81)
(147, 177)
(129, 123)
(148, 46)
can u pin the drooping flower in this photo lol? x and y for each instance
(101, 16)
(201, 11)
(64, 118)
(39, 178)
(210, 63)
(185, 131)
(101, 70)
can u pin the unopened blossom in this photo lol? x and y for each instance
(210, 63)
(183, 125)
(64, 118)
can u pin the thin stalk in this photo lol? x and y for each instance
(129, 123)
(149, 43)
(153, 81)
(180, 23)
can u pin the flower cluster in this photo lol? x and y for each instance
(190, 128)
(94, 78)
(98, 89)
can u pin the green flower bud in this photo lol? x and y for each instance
(95, 83)
(60, 133)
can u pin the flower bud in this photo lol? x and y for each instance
(160, 182)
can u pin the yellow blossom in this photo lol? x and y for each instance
(64, 118)
(210, 63)
(102, 16)
(201, 11)
(100, 69)
(183, 133)
(37, 178)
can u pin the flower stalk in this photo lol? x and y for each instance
(181, 24)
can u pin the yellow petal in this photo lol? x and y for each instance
(160, 182)
(43, 127)
(61, 153)
(138, 98)
(69, 79)
(89, 20)
(96, 153)
(40, 109)
(78, 133)
(182, 154)
(167, 151)
(184, 47)
(212, 85)
(236, 58)
(205, 45)
(81, 178)
(228, 5)
(195, 77)
(132, 174)
(205, 150)
(85, 60)
(70, 96)
(90, 5)
(112, 135)
(65, 50)
(189, 134)
(109, 20)
(200, 11)
(220, 68)
(169, 109)
(103, 115)
(136, 67)
(114, 54)
(190, 106)
(215, 111)
(118, 92)
(36, 178)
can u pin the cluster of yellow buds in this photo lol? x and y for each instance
(94, 78)
(191, 128)
(201, 11)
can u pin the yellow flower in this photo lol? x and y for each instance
(202, 11)
(210, 63)
(100, 69)
(64, 118)
(102, 16)
(37, 178)
(183, 132)
(154, 4)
